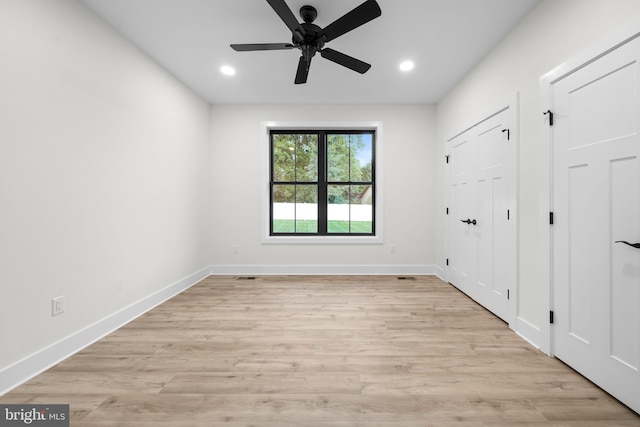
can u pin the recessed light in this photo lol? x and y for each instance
(406, 66)
(227, 70)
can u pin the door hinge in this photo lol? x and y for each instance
(508, 215)
(447, 158)
(447, 261)
(550, 116)
(447, 211)
(551, 317)
(507, 293)
(508, 133)
(551, 218)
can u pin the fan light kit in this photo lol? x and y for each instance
(310, 38)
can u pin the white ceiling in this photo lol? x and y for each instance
(190, 38)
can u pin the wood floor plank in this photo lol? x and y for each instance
(264, 383)
(320, 351)
(83, 382)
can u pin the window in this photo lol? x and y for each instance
(322, 182)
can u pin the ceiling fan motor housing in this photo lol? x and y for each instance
(311, 43)
(311, 37)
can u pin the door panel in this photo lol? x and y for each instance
(486, 202)
(464, 150)
(501, 245)
(490, 154)
(625, 315)
(596, 201)
(578, 252)
(594, 106)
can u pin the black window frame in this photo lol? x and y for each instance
(322, 181)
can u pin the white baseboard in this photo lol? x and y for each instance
(22, 371)
(272, 270)
(440, 272)
(530, 333)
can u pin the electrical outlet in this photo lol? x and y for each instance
(392, 249)
(57, 306)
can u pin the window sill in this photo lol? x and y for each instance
(327, 240)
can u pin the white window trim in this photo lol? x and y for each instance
(265, 129)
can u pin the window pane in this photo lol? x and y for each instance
(362, 152)
(338, 158)
(349, 157)
(350, 209)
(361, 209)
(306, 209)
(284, 210)
(306, 157)
(284, 147)
(295, 158)
(338, 209)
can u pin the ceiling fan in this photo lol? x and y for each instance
(310, 38)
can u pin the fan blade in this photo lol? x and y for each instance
(362, 14)
(345, 60)
(261, 46)
(284, 12)
(303, 71)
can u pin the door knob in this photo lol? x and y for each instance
(469, 221)
(633, 245)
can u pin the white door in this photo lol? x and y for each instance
(483, 246)
(596, 202)
(464, 258)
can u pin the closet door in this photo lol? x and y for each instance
(482, 262)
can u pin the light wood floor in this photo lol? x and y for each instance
(320, 351)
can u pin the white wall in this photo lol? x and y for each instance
(550, 34)
(103, 175)
(409, 190)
